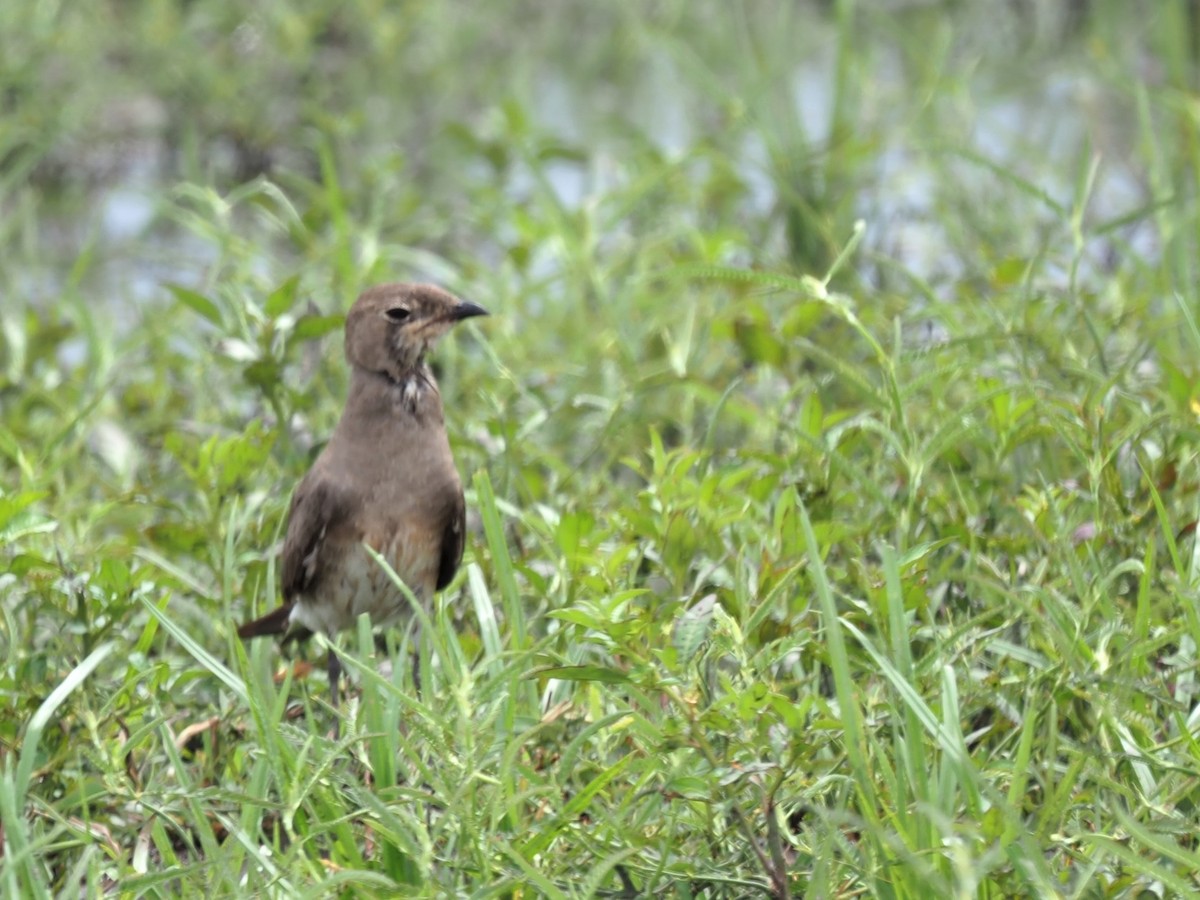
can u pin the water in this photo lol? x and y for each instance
(1047, 132)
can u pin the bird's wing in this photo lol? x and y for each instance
(319, 509)
(453, 539)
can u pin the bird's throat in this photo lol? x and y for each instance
(407, 391)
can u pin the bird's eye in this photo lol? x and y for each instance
(398, 313)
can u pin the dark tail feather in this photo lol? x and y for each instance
(274, 622)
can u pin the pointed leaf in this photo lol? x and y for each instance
(282, 298)
(310, 327)
(603, 674)
(196, 302)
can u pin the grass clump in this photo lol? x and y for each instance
(828, 450)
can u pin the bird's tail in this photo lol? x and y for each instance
(274, 622)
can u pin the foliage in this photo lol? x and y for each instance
(802, 561)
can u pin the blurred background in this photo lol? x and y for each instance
(416, 137)
(829, 451)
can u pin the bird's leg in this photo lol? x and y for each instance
(334, 667)
(416, 659)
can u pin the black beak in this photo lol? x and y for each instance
(466, 310)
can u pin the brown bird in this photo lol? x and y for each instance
(386, 479)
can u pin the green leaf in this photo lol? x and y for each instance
(757, 339)
(13, 504)
(282, 298)
(689, 787)
(24, 563)
(602, 674)
(584, 618)
(692, 627)
(572, 529)
(264, 374)
(197, 651)
(238, 458)
(196, 302)
(114, 577)
(920, 551)
(45, 713)
(811, 420)
(310, 327)
(17, 520)
(177, 538)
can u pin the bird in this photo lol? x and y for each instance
(386, 479)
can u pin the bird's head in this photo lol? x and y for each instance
(391, 327)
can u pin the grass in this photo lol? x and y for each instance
(829, 452)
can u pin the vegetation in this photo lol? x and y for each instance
(830, 450)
